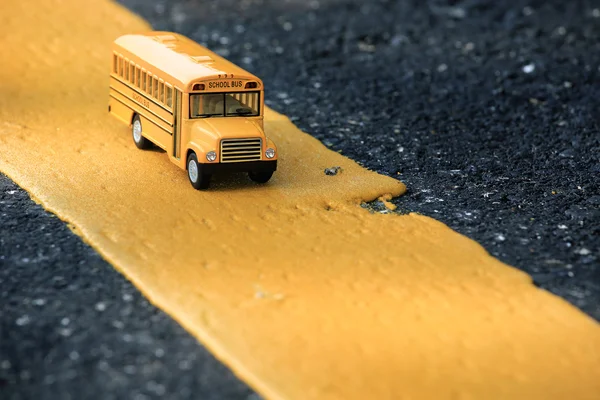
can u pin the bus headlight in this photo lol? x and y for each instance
(211, 156)
(270, 153)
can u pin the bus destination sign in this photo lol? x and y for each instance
(229, 84)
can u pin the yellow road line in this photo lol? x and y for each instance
(304, 294)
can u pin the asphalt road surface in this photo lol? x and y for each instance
(488, 111)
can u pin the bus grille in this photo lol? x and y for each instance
(239, 150)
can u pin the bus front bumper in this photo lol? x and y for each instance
(248, 166)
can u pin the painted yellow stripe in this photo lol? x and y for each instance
(300, 291)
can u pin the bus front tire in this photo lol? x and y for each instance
(194, 169)
(136, 132)
(260, 177)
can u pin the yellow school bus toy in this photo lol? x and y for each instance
(204, 111)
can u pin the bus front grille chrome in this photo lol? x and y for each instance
(239, 150)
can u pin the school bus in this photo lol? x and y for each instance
(205, 112)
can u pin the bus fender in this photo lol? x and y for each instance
(131, 115)
(196, 148)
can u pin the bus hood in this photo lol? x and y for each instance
(227, 128)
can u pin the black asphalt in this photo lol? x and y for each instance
(487, 110)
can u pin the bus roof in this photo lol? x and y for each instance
(184, 60)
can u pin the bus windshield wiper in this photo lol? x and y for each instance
(204, 115)
(242, 111)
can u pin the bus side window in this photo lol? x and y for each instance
(161, 85)
(115, 63)
(137, 76)
(155, 90)
(143, 84)
(120, 66)
(126, 69)
(132, 72)
(169, 97)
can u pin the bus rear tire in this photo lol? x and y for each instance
(198, 180)
(260, 177)
(136, 132)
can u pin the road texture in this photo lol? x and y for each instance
(488, 112)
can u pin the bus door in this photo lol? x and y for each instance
(177, 124)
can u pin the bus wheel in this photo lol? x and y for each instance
(197, 178)
(260, 177)
(136, 131)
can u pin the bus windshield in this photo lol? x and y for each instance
(239, 104)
